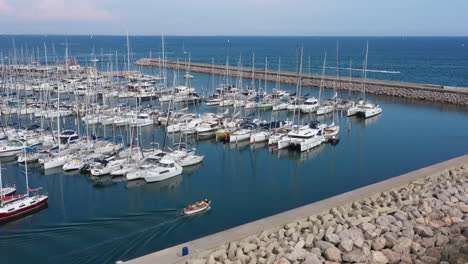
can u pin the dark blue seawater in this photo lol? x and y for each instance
(102, 220)
(431, 60)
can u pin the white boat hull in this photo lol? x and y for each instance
(190, 160)
(259, 137)
(370, 112)
(234, 138)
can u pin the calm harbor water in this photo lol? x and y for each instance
(101, 220)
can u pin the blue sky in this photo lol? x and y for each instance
(238, 17)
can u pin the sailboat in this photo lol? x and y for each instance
(166, 169)
(16, 205)
(302, 137)
(323, 109)
(364, 108)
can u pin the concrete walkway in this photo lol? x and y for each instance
(203, 246)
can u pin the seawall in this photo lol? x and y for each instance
(426, 92)
(418, 217)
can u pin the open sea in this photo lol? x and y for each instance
(102, 220)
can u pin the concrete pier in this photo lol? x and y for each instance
(425, 92)
(418, 217)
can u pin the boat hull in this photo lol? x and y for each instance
(190, 160)
(197, 211)
(370, 112)
(9, 153)
(5, 216)
(234, 138)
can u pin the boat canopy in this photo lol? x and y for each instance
(314, 124)
(249, 125)
(34, 127)
(274, 124)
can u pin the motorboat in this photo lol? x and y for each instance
(197, 207)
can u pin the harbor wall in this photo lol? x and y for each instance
(418, 217)
(425, 92)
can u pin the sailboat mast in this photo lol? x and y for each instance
(266, 68)
(299, 86)
(323, 74)
(212, 75)
(278, 78)
(253, 70)
(128, 54)
(365, 73)
(26, 169)
(337, 66)
(350, 75)
(163, 61)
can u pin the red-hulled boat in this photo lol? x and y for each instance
(22, 206)
(16, 205)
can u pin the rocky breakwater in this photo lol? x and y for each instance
(415, 91)
(425, 221)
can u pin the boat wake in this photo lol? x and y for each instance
(114, 238)
(368, 70)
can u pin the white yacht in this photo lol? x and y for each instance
(207, 128)
(310, 105)
(369, 110)
(164, 170)
(304, 138)
(324, 109)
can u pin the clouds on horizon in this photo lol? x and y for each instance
(52, 10)
(240, 17)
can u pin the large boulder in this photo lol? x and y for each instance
(377, 257)
(379, 243)
(333, 254)
(323, 245)
(354, 256)
(403, 245)
(392, 256)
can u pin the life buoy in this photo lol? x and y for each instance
(4, 148)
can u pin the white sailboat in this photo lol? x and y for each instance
(364, 108)
(164, 170)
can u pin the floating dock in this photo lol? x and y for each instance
(424, 92)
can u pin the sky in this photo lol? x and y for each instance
(236, 17)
